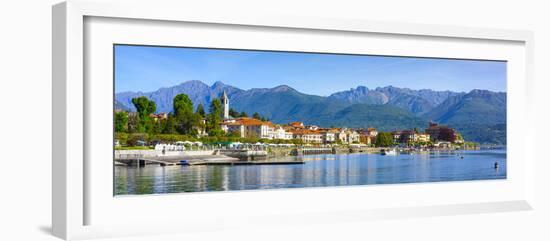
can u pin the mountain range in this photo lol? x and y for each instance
(480, 115)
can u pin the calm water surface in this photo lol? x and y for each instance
(318, 171)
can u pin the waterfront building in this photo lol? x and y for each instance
(201, 131)
(352, 136)
(341, 135)
(442, 133)
(372, 132)
(296, 124)
(328, 135)
(249, 127)
(364, 138)
(367, 136)
(396, 136)
(443, 144)
(280, 133)
(159, 116)
(421, 137)
(232, 126)
(407, 136)
(308, 136)
(312, 127)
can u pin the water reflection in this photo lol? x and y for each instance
(319, 171)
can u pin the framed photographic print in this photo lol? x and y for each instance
(280, 119)
(424, 120)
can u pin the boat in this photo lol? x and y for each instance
(388, 152)
(184, 162)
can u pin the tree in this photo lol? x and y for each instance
(256, 115)
(169, 125)
(233, 112)
(234, 134)
(133, 123)
(185, 118)
(384, 139)
(121, 121)
(144, 108)
(200, 111)
(243, 114)
(459, 137)
(447, 134)
(182, 105)
(214, 118)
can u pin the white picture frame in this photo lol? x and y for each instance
(75, 201)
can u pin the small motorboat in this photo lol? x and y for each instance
(184, 162)
(388, 152)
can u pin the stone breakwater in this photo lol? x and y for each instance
(293, 151)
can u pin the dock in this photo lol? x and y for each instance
(217, 157)
(312, 151)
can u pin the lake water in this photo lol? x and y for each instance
(318, 171)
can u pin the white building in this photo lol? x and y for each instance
(341, 136)
(280, 133)
(308, 136)
(352, 136)
(249, 127)
(329, 135)
(372, 132)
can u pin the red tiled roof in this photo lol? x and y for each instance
(247, 121)
(296, 124)
(305, 132)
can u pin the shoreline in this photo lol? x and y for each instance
(249, 157)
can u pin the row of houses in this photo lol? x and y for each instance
(407, 136)
(434, 133)
(250, 127)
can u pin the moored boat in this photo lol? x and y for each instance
(388, 152)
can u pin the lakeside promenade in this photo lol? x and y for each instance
(261, 156)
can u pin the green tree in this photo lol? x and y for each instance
(200, 111)
(121, 121)
(133, 123)
(256, 115)
(185, 118)
(169, 125)
(233, 112)
(384, 139)
(243, 114)
(214, 118)
(144, 107)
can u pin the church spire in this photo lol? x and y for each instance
(225, 102)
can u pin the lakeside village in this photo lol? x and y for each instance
(224, 136)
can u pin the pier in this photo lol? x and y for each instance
(211, 157)
(243, 154)
(312, 151)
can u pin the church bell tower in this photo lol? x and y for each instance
(225, 102)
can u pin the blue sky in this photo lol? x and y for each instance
(144, 68)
